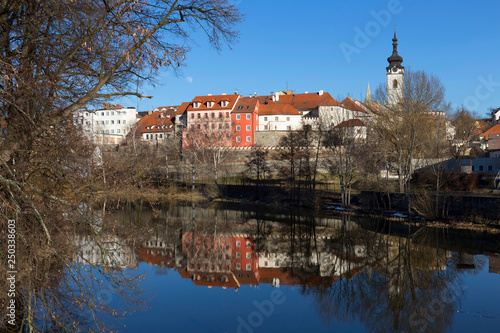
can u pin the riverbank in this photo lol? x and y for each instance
(478, 217)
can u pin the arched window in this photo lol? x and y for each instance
(395, 83)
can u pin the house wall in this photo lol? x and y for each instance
(279, 122)
(244, 126)
(269, 138)
(107, 126)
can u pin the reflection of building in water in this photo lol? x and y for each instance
(494, 265)
(109, 251)
(224, 261)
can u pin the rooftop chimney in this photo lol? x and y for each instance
(209, 94)
(321, 92)
(223, 94)
(277, 97)
(150, 113)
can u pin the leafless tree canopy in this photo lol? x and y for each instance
(58, 57)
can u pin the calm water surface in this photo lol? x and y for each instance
(224, 270)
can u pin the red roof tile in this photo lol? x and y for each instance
(216, 99)
(245, 105)
(157, 122)
(494, 130)
(307, 101)
(272, 108)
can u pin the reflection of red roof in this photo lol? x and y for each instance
(224, 280)
(156, 256)
(217, 99)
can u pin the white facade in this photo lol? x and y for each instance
(109, 125)
(395, 85)
(279, 122)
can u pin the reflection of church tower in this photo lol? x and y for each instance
(395, 74)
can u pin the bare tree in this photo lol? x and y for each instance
(209, 143)
(57, 57)
(403, 127)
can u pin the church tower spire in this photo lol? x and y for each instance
(395, 74)
(368, 98)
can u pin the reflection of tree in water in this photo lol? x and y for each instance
(406, 286)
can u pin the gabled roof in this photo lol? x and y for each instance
(157, 122)
(349, 104)
(494, 130)
(351, 123)
(217, 100)
(245, 105)
(273, 108)
(307, 100)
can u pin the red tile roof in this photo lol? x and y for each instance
(307, 101)
(349, 104)
(157, 122)
(216, 99)
(246, 105)
(272, 108)
(494, 130)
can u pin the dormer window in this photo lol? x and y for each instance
(196, 105)
(210, 104)
(224, 103)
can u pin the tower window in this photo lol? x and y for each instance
(395, 83)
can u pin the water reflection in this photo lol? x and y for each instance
(389, 282)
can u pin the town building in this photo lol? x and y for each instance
(395, 75)
(108, 125)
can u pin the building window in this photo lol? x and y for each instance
(248, 127)
(112, 122)
(248, 267)
(212, 115)
(265, 118)
(266, 127)
(249, 255)
(206, 115)
(112, 131)
(118, 121)
(287, 118)
(473, 168)
(112, 113)
(481, 168)
(161, 136)
(238, 243)
(147, 136)
(249, 244)
(118, 131)
(238, 117)
(124, 122)
(238, 266)
(289, 128)
(192, 115)
(102, 114)
(238, 255)
(395, 83)
(238, 139)
(248, 115)
(248, 139)
(107, 113)
(213, 126)
(107, 122)
(238, 127)
(275, 118)
(227, 114)
(227, 126)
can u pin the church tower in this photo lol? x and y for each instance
(395, 74)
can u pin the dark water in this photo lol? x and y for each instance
(226, 270)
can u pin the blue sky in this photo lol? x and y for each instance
(313, 45)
